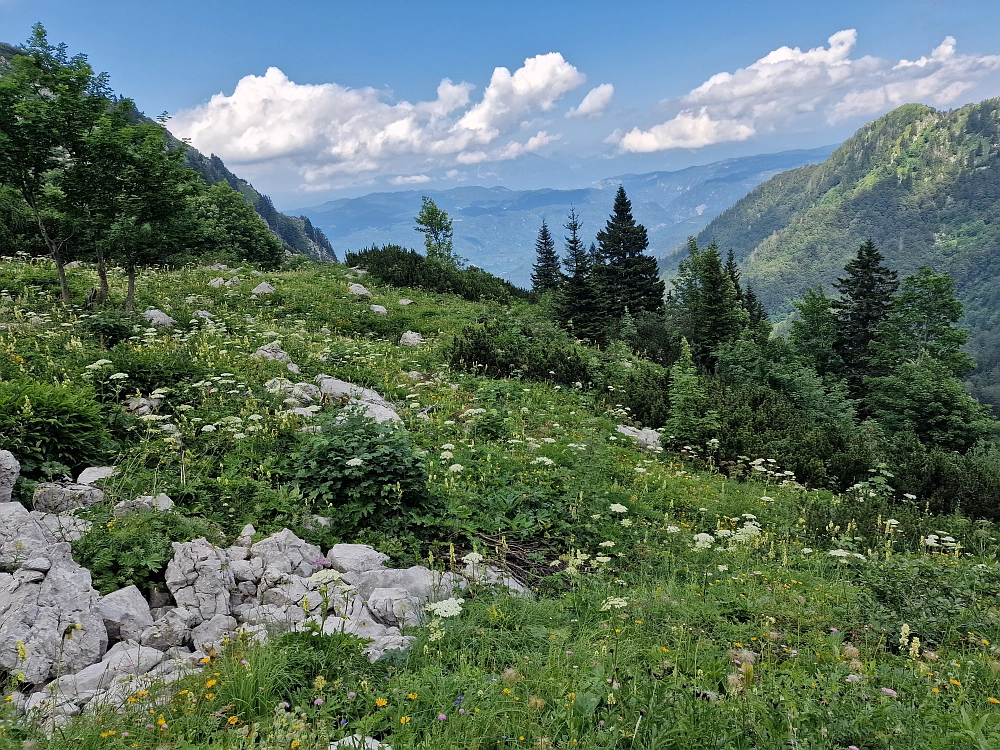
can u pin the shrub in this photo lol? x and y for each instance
(110, 326)
(44, 424)
(362, 474)
(399, 267)
(136, 549)
(149, 369)
(505, 347)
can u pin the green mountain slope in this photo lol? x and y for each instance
(297, 233)
(923, 184)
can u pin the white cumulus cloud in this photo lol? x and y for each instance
(594, 104)
(409, 179)
(789, 87)
(329, 130)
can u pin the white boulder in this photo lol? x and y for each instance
(10, 469)
(263, 288)
(411, 338)
(95, 474)
(50, 497)
(378, 310)
(359, 290)
(159, 319)
(355, 558)
(273, 353)
(200, 580)
(126, 614)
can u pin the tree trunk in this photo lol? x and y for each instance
(130, 297)
(54, 248)
(102, 272)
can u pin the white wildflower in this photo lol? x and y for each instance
(614, 602)
(544, 461)
(446, 455)
(448, 447)
(119, 376)
(606, 544)
(473, 558)
(673, 529)
(618, 508)
(447, 608)
(355, 461)
(456, 468)
(208, 428)
(703, 541)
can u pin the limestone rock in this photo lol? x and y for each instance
(217, 267)
(60, 527)
(294, 368)
(123, 660)
(144, 503)
(200, 579)
(378, 310)
(245, 539)
(358, 742)
(168, 631)
(159, 318)
(235, 281)
(358, 290)
(645, 438)
(411, 338)
(10, 469)
(404, 302)
(286, 553)
(56, 498)
(95, 474)
(54, 615)
(204, 315)
(272, 352)
(126, 614)
(422, 583)
(217, 283)
(368, 401)
(394, 606)
(490, 576)
(355, 558)
(263, 288)
(211, 634)
(388, 642)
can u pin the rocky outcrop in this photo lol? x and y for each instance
(365, 399)
(50, 620)
(378, 309)
(273, 353)
(644, 438)
(50, 497)
(10, 469)
(263, 288)
(358, 290)
(200, 580)
(126, 614)
(411, 338)
(95, 474)
(159, 319)
(355, 558)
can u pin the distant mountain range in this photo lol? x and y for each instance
(924, 185)
(495, 227)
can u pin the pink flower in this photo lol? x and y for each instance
(318, 702)
(890, 692)
(441, 717)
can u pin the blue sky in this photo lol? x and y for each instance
(320, 99)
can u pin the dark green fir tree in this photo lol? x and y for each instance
(579, 303)
(546, 274)
(630, 278)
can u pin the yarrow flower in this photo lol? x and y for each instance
(606, 544)
(447, 608)
(543, 460)
(618, 508)
(355, 461)
(456, 468)
(208, 428)
(614, 602)
(703, 541)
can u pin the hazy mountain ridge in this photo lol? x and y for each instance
(495, 227)
(923, 184)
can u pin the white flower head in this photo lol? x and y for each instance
(448, 447)
(673, 529)
(618, 508)
(614, 602)
(544, 461)
(447, 608)
(456, 468)
(473, 558)
(208, 428)
(119, 376)
(606, 544)
(355, 461)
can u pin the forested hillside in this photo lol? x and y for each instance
(924, 185)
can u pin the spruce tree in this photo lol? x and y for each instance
(759, 325)
(579, 302)
(546, 275)
(733, 272)
(866, 295)
(690, 420)
(706, 303)
(631, 279)
(813, 333)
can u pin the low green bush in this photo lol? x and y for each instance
(44, 424)
(408, 268)
(110, 327)
(362, 474)
(135, 550)
(149, 369)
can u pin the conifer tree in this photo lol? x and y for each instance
(631, 279)
(579, 303)
(690, 421)
(706, 302)
(813, 333)
(866, 295)
(758, 325)
(733, 272)
(546, 275)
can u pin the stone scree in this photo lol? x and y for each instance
(55, 628)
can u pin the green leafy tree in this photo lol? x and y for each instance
(579, 305)
(813, 332)
(231, 227)
(436, 226)
(924, 397)
(690, 419)
(546, 274)
(49, 102)
(865, 302)
(630, 278)
(922, 322)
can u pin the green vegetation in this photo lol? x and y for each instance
(921, 184)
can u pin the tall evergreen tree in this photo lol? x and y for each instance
(690, 419)
(733, 272)
(706, 303)
(866, 295)
(813, 333)
(758, 325)
(546, 276)
(579, 304)
(631, 278)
